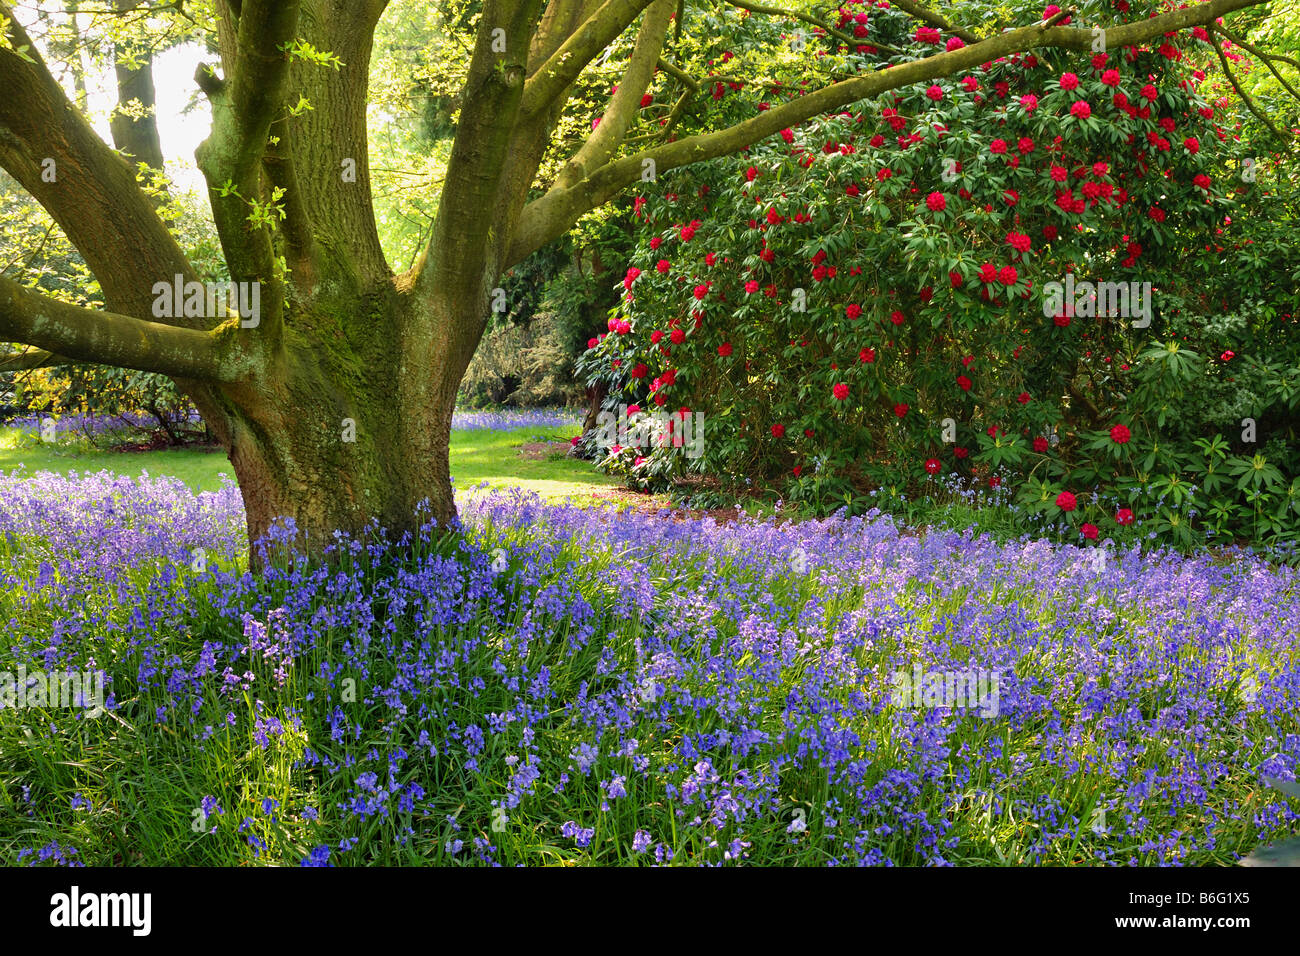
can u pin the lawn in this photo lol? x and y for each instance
(477, 455)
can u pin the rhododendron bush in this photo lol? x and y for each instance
(867, 300)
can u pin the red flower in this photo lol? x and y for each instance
(701, 291)
(1081, 110)
(751, 286)
(797, 469)
(778, 431)
(1007, 275)
(963, 383)
(1062, 320)
(995, 481)
(897, 317)
(1089, 531)
(677, 336)
(663, 265)
(1120, 434)
(688, 232)
(959, 451)
(935, 92)
(936, 202)
(840, 391)
(932, 466)
(998, 146)
(724, 349)
(1040, 444)
(1228, 356)
(647, 100)
(1069, 81)
(900, 409)
(1110, 78)
(711, 258)
(867, 355)
(1066, 501)
(750, 174)
(853, 311)
(592, 343)
(640, 370)
(655, 336)
(1023, 398)
(1124, 516)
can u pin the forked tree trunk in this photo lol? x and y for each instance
(348, 433)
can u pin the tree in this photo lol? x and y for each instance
(334, 395)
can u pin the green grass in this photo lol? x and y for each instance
(476, 456)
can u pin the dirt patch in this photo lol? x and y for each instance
(542, 450)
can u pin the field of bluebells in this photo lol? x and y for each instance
(566, 686)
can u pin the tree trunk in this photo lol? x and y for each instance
(350, 429)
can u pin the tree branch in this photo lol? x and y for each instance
(30, 361)
(1246, 98)
(243, 109)
(565, 65)
(934, 19)
(1266, 58)
(796, 15)
(108, 338)
(89, 190)
(549, 216)
(624, 104)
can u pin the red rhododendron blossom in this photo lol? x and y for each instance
(1124, 516)
(1120, 434)
(724, 349)
(701, 291)
(932, 466)
(1110, 78)
(1069, 81)
(1007, 275)
(963, 383)
(1040, 444)
(867, 355)
(1081, 110)
(656, 336)
(1061, 320)
(897, 317)
(853, 311)
(936, 202)
(663, 265)
(840, 391)
(1089, 531)
(1023, 398)
(959, 451)
(778, 431)
(901, 409)
(1030, 102)
(1228, 356)
(677, 336)
(711, 258)
(998, 146)
(796, 470)
(934, 92)
(1066, 501)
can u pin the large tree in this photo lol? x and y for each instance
(336, 405)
